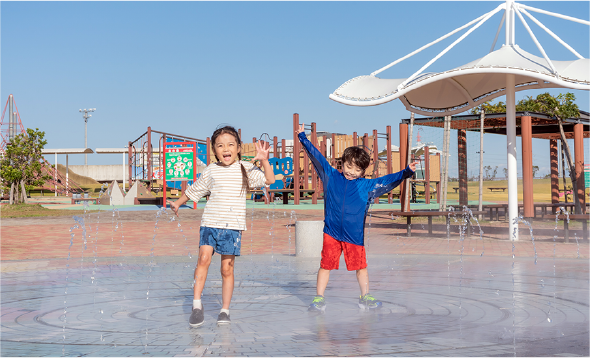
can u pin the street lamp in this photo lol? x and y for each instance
(86, 116)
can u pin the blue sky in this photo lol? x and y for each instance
(186, 67)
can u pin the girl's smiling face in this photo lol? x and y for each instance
(226, 149)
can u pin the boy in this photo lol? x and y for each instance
(347, 197)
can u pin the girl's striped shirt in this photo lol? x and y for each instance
(226, 207)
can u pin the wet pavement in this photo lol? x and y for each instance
(114, 288)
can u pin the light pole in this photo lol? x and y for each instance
(86, 116)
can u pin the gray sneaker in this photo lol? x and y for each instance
(197, 317)
(223, 318)
(368, 302)
(318, 304)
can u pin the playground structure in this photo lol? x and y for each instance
(145, 162)
(382, 163)
(11, 127)
(149, 166)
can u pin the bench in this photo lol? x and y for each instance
(85, 199)
(430, 214)
(285, 193)
(497, 189)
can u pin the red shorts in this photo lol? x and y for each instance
(354, 255)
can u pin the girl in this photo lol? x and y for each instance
(224, 218)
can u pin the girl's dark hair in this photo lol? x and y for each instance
(231, 130)
(356, 156)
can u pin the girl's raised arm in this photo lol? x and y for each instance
(262, 149)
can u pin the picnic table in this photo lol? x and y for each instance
(497, 189)
(430, 214)
(578, 217)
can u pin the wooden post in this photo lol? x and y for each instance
(389, 160)
(438, 186)
(403, 158)
(208, 150)
(274, 146)
(283, 149)
(427, 174)
(354, 139)
(526, 132)
(375, 159)
(554, 159)
(333, 151)
(149, 153)
(296, 164)
(314, 175)
(409, 154)
(462, 156)
(579, 165)
(130, 163)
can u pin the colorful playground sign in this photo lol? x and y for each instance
(179, 164)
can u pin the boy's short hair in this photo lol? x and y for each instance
(356, 156)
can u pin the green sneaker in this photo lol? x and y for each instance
(368, 302)
(318, 304)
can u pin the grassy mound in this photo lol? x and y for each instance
(32, 210)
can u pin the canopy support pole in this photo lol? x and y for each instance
(511, 160)
(480, 202)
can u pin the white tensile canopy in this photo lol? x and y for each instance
(499, 73)
(464, 87)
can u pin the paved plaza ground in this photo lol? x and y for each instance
(118, 283)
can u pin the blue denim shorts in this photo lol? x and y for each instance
(223, 241)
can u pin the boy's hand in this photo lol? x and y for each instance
(301, 129)
(262, 149)
(413, 166)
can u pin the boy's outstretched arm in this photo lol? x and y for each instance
(320, 163)
(389, 182)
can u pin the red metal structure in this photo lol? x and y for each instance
(12, 126)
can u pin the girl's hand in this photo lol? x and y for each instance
(174, 206)
(301, 129)
(413, 166)
(262, 149)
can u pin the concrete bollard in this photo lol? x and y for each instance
(309, 238)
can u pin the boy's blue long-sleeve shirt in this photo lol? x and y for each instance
(346, 202)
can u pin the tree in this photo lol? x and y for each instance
(505, 170)
(487, 168)
(560, 107)
(21, 165)
(488, 107)
(535, 170)
(495, 172)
